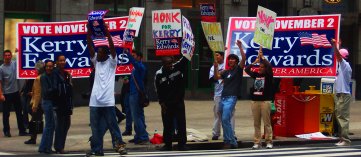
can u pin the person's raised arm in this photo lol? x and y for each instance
(110, 40)
(90, 42)
(337, 52)
(243, 60)
(217, 74)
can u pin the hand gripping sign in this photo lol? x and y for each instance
(96, 23)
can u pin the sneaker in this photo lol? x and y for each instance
(230, 146)
(343, 143)
(89, 154)
(145, 142)
(215, 137)
(256, 146)
(31, 141)
(121, 149)
(269, 146)
(166, 148)
(127, 133)
(336, 144)
(7, 134)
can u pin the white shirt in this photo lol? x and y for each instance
(218, 85)
(103, 89)
(343, 78)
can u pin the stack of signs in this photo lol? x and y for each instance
(167, 31)
(208, 12)
(132, 30)
(265, 27)
(213, 33)
(96, 23)
(188, 39)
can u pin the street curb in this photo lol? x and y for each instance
(241, 144)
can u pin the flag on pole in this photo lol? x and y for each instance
(118, 42)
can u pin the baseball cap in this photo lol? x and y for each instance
(344, 53)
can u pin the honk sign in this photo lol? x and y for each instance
(265, 26)
(213, 33)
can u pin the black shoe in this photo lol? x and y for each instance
(46, 152)
(61, 151)
(127, 133)
(131, 141)
(88, 154)
(145, 142)
(30, 141)
(215, 137)
(166, 148)
(24, 134)
(7, 134)
(183, 148)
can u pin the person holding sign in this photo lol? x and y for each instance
(218, 87)
(170, 87)
(262, 95)
(102, 102)
(343, 95)
(232, 78)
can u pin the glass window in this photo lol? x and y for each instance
(41, 6)
(115, 7)
(189, 3)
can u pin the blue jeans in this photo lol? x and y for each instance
(141, 133)
(101, 119)
(128, 117)
(226, 108)
(48, 132)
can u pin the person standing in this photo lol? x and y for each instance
(262, 95)
(343, 94)
(63, 104)
(48, 93)
(170, 87)
(218, 87)
(232, 79)
(9, 94)
(124, 99)
(36, 111)
(137, 79)
(102, 102)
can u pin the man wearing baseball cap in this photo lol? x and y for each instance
(343, 94)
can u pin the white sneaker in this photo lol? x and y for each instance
(336, 144)
(256, 146)
(343, 143)
(269, 146)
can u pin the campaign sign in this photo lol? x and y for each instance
(265, 26)
(128, 38)
(188, 39)
(301, 44)
(208, 12)
(95, 20)
(46, 40)
(171, 46)
(214, 37)
(135, 19)
(167, 28)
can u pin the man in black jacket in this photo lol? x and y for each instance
(170, 87)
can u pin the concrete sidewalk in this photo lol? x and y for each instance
(199, 116)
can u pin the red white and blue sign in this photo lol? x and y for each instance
(208, 12)
(301, 44)
(46, 40)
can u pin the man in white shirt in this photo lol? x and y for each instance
(343, 94)
(102, 102)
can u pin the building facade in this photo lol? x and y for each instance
(198, 84)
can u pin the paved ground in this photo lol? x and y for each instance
(199, 116)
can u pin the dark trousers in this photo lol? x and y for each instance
(36, 116)
(25, 102)
(62, 125)
(12, 99)
(174, 113)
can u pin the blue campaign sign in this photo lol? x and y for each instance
(46, 40)
(301, 45)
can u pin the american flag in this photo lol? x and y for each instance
(314, 39)
(118, 42)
